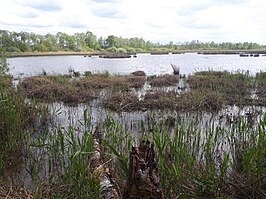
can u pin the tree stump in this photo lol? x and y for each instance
(143, 175)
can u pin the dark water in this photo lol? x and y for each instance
(150, 64)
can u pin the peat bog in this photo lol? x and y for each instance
(200, 151)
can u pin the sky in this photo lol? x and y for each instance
(155, 20)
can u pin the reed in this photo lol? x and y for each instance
(196, 162)
(63, 156)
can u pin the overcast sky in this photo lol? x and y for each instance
(154, 20)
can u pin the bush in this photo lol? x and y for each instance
(112, 49)
(3, 65)
(121, 50)
(131, 50)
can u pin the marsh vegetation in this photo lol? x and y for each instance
(202, 151)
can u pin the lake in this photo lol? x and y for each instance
(150, 64)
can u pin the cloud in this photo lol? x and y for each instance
(192, 7)
(157, 20)
(105, 8)
(29, 14)
(48, 5)
(230, 2)
(73, 22)
(104, 1)
(107, 13)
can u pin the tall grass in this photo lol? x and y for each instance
(196, 162)
(62, 162)
(17, 116)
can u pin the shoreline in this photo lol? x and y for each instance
(38, 54)
(98, 53)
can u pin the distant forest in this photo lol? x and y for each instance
(20, 42)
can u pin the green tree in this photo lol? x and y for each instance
(111, 41)
(91, 40)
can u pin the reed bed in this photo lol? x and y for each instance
(59, 162)
(213, 162)
(197, 157)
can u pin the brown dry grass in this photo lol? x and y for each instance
(53, 89)
(161, 100)
(14, 193)
(122, 101)
(208, 90)
(117, 82)
(163, 80)
(191, 101)
(235, 89)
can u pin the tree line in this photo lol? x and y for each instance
(83, 42)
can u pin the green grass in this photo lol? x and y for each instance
(196, 163)
(63, 154)
(17, 116)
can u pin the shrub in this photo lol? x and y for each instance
(112, 49)
(3, 65)
(121, 50)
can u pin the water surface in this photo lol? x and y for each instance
(150, 64)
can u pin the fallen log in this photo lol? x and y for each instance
(107, 188)
(143, 175)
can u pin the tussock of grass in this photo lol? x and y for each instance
(207, 90)
(122, 101)
(55, 89)
(161, 100)
(235, 89)
(163, 80)
(116, 82)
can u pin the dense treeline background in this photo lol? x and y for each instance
(18, 42)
